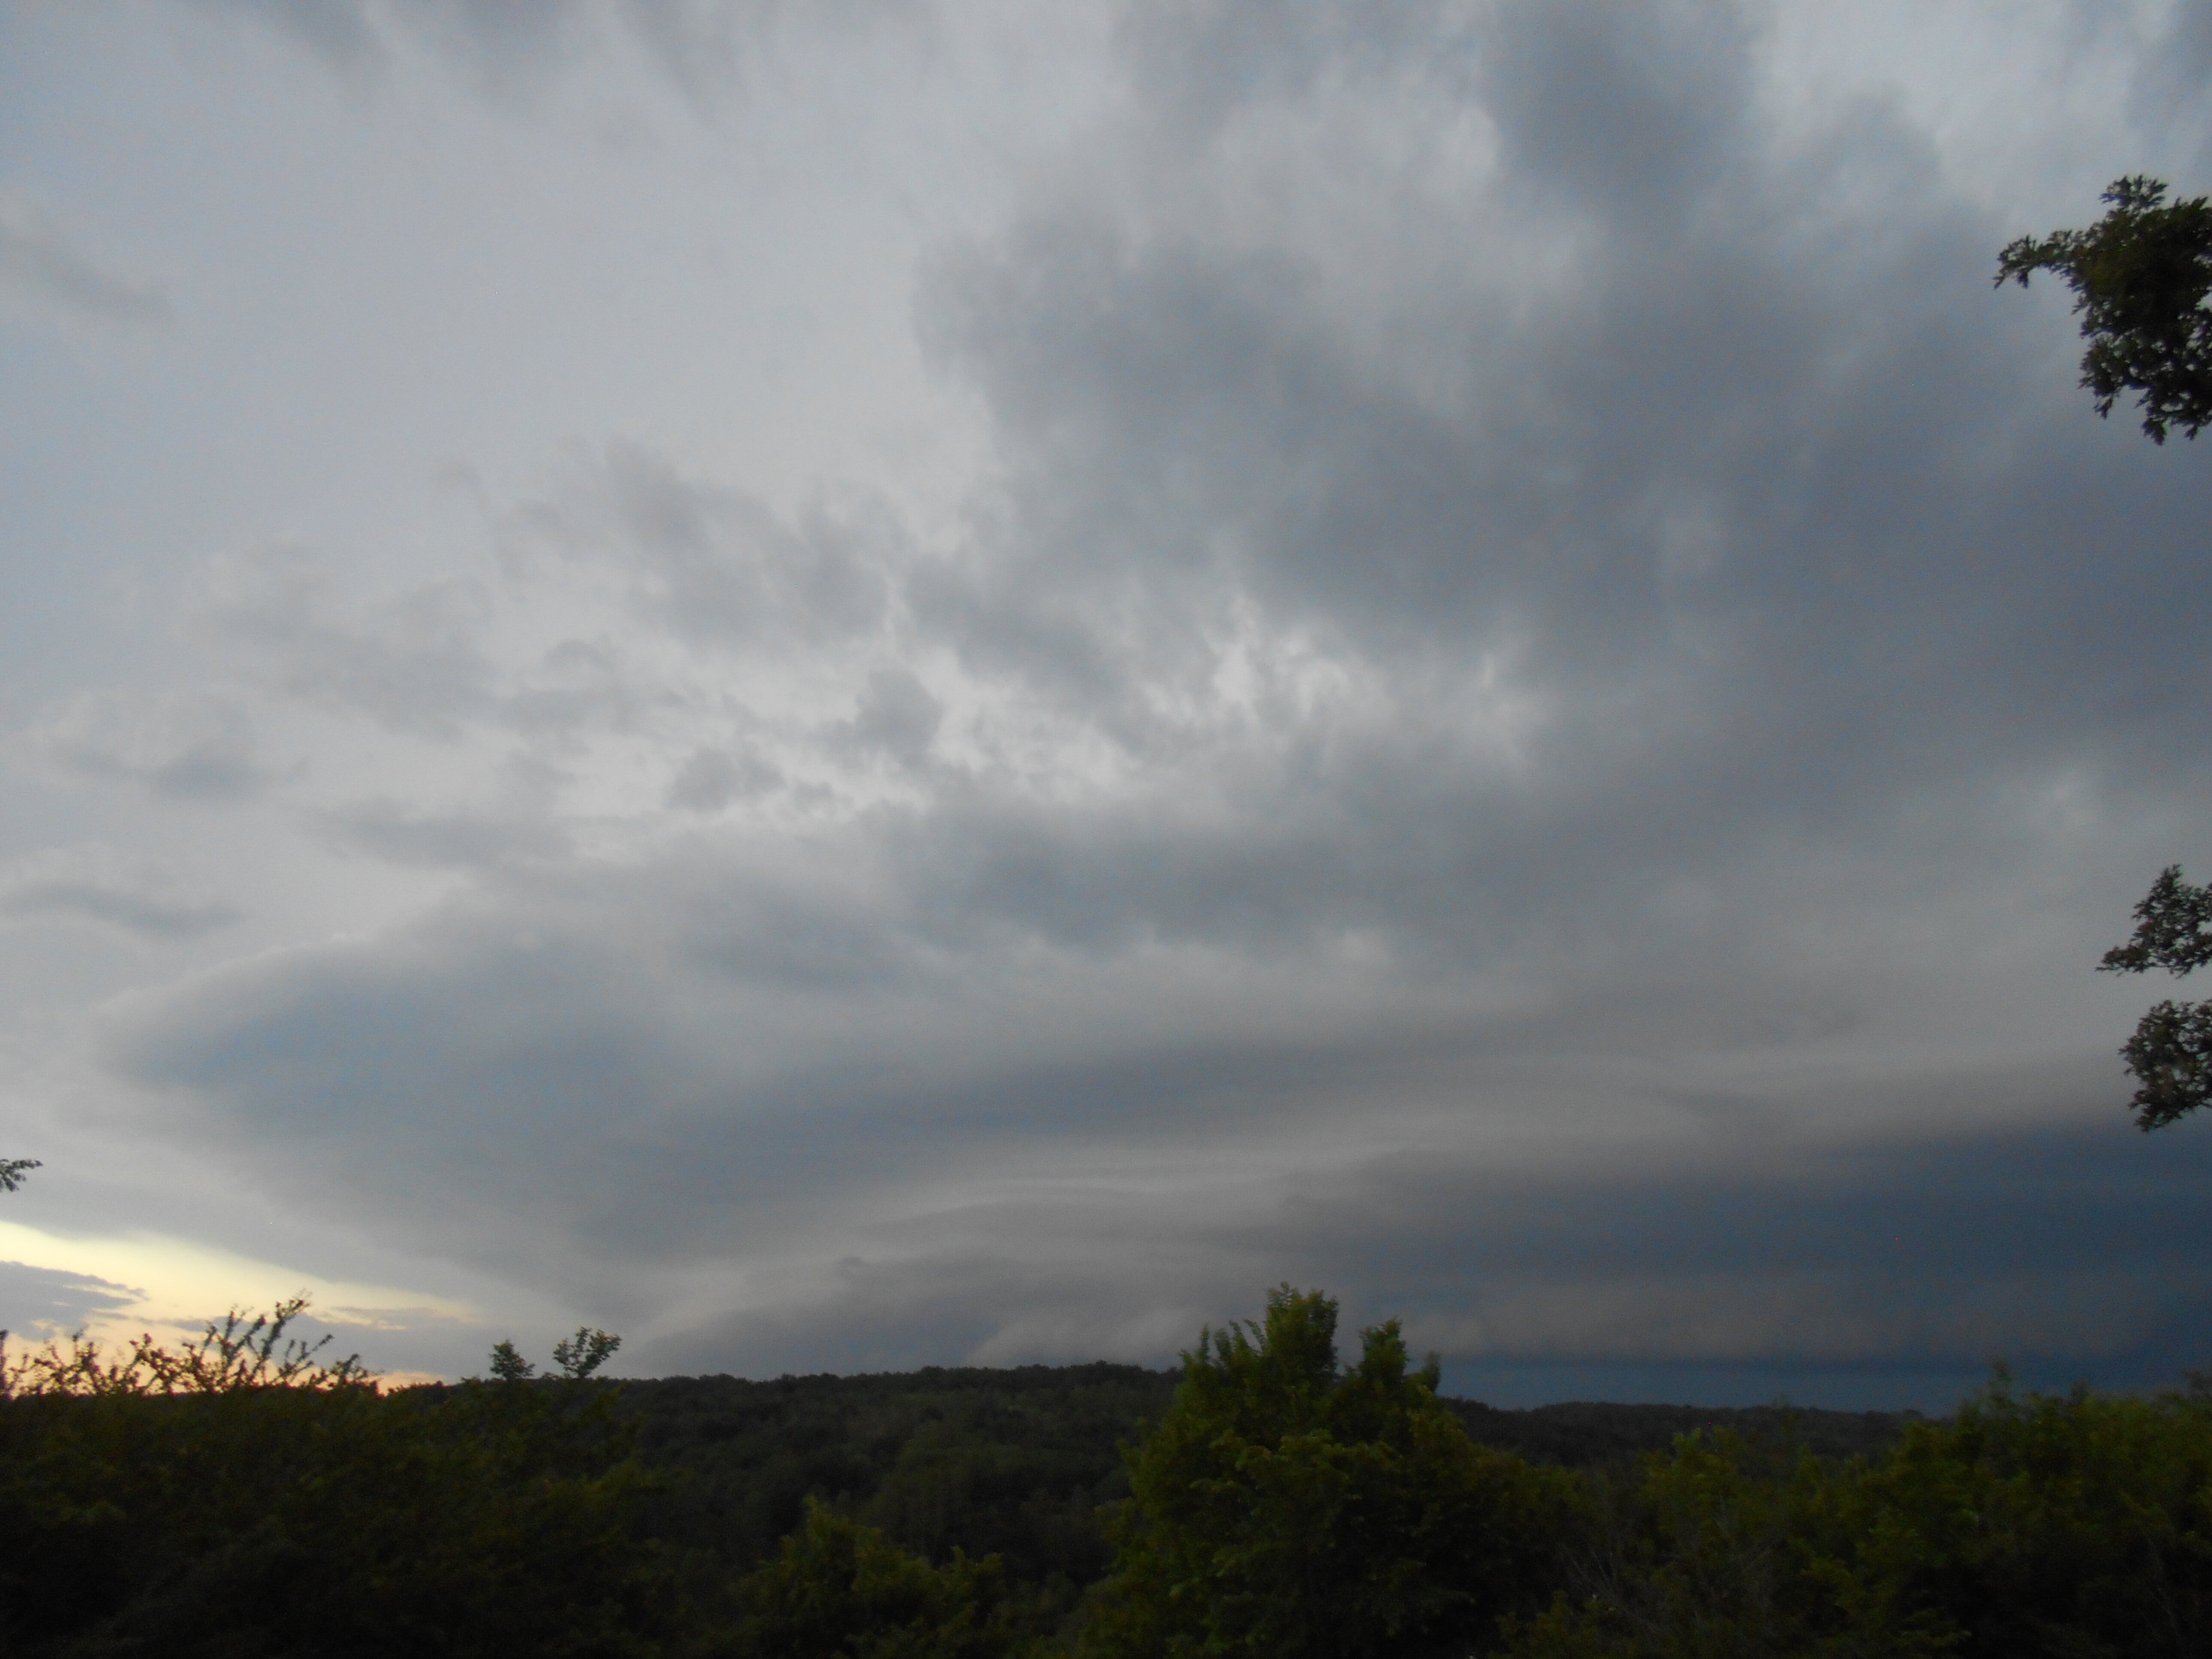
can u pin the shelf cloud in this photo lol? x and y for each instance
(969, 706)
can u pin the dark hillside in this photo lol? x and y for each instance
(1015, 1462)
(1283, 1494)
(1586, 1434)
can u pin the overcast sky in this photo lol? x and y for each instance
(845, 686)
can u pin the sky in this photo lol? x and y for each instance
(869, 685)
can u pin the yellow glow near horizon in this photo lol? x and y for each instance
(178, 1284)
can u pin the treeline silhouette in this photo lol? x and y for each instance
(1272, 1497)
(1018, 1462)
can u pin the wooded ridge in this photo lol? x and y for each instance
(1272, 1497)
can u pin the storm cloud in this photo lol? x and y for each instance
(1463, 659)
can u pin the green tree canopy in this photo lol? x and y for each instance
(838, 1589)
(2025, 1524)
(1290, 1507)
(239, 1495)
(577, 1357)
(2140, 276)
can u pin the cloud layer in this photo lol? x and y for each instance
(1533, 705)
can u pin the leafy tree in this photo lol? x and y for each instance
(242, 1495)
(2067, 1524)
(2170, 1053)
(1287, 1506)
(579, 1355)
(1015, 1463)
(1728, 1548)
(575, 1358)
(2140, 276)
(838, 1589)
(2035, 1525)
(238, 1353)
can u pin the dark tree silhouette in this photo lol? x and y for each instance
(2170, 1053)
(2140, 276)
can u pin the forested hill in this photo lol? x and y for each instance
(1585, 1434)
(1015, 1462)
(234, 1497)
(1012, 1463)
(1091, 1406)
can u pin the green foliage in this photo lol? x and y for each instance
(1285, 1506)
(838, 1589)
(1014, 1463)
(2064, 1526)
(577, 1357)
(2174, 929)
(2170, 1055)
(1726, 1548)
(2140, 276)
(1595, 1436)
(238, 1499)
(13, 1170)
(242, 1495)
(2078, 1525)
(265, 1505)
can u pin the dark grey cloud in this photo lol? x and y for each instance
(401, 834)
(623, 1081)
(2061, 1251)
(499, 45)
(707, 49)
(898, 718)
(339, 32)
(1541, 720)
(501, 48)
(713, 565)
(1898, 1224)
(193, 746)
(93, 884)
(37, 1303)
(1632, 113)
(38, 266)
(1760, 501)
(683, 1009)
(416, 663)
(713, 778)
(710, 50)
(413, 663)
(581, 686)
